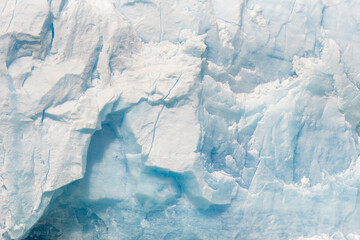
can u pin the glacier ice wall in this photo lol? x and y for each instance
(208, 119)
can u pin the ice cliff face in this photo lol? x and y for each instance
(211, 119)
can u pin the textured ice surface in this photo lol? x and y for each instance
(211, 119)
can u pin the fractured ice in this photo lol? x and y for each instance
(211, 119)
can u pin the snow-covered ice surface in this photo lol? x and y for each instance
(184, 119)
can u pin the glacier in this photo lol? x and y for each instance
(185, 119)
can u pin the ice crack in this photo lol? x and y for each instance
(162, 108)
(12, 16)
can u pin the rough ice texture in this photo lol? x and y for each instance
(209, 119)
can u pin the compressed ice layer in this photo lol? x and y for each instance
(182, 120)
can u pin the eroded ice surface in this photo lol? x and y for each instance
(188, 119)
